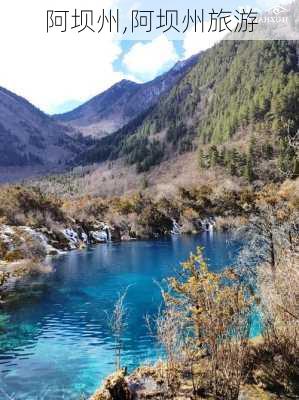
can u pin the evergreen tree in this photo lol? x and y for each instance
(248, 169)
(295, 168)
(201, 159)
(268, 151)
(287, 157)
(252, 147)
(222, 156)
(233, 162)
(213, 156)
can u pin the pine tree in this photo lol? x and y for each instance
(222, 156)
(248, 169)
(252, 147)
(213, 156)
(201, 159)
(227, 158)
(234, 162)
(268, 151)
(295, 167)
(287, 157)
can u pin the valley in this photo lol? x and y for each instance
(118, 192)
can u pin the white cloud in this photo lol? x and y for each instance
(146, 60)
(194, 42)
(54, 68)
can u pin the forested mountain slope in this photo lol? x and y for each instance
(250, 86)
(33, 143)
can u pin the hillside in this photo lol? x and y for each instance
(34, 144)
(123, 102)
(222, 97)
(30, 141)
(240, 116)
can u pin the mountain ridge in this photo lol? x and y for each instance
(123, 102)
(29, 137)
(33, 143)
(221, 95)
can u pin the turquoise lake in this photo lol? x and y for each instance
(56, 343)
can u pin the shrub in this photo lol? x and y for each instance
(280, 309)
(20, 205)
(216, 309)
(155, 221)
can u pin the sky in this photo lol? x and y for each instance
(58, 71)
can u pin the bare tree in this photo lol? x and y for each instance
(117, 323)
(192, 358)
(270, 261)
(270, 233)
(288, 169)
(168, 328)
(280, 313)
(170, 335)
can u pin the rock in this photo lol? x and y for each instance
(253, 392)
(116, 234)
(126, 238)
(176, 228)
(58, 240)
(72, 237)
(99, 236)
(53, 252)
(115, 387)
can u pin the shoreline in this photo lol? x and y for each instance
(45, 244)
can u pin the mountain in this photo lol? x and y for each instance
(234, 87)
(123, 102)
(30, 138)
(237, 91)
(33, 143)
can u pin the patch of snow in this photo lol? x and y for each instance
(84, 237)
(100, 236)
(176, 229)
(42, 238)
(208, 224)
(72, 237)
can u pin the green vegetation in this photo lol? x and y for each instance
(247, 86)
(236, 84)
(239, 106)
(252, 163)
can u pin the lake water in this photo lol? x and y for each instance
(57, 344)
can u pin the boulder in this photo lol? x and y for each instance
(115, 387)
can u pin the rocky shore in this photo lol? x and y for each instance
(147, 383)
(25, 250)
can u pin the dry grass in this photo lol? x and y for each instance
(229, 223)
(115, 178)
